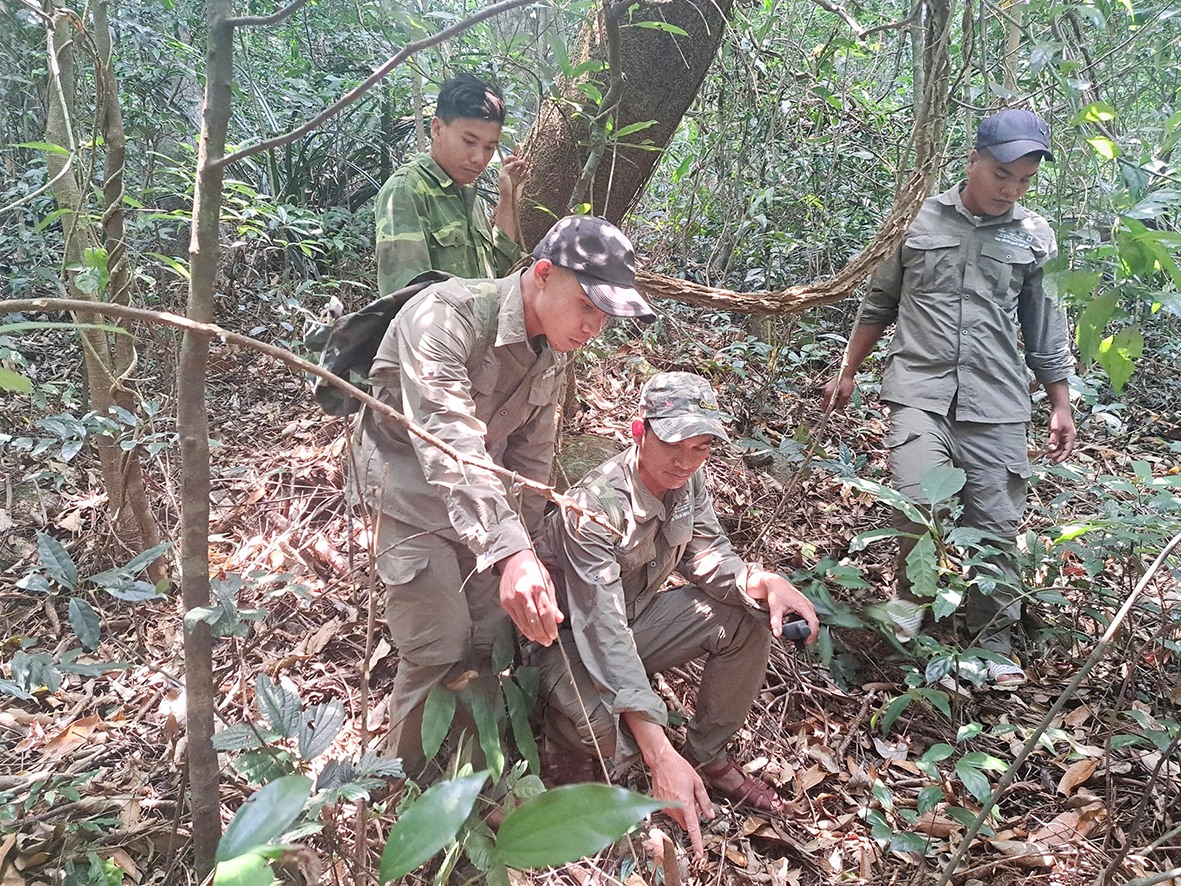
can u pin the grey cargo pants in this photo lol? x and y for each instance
(995, 458)
(679, 625)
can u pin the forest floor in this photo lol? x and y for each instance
(881, 769)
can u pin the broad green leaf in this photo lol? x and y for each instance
(429, 824)
(921, 567)
(569, 823)
(940, 483)
(43, 146)
(518, 716)
(239, 737)
(947, 601)
(968, 731)
(937, 698)
(319, 728)
(11, 380)
(938, 752)
(488, 712)
(558, 47)
(862, 540)
(250, 869)
(265, 815)
(265, 764)
(85, 622)
(147, 558)
(1104, 147)
(974, 780)
(981, 760)
(1095, 112)
(894, 711)
(905, 841)
(890, 496)
(938, 668)
(633, 128)
(929, 797)
(437, 715)
(1118, 355)
(56, 560)
(662, 26)
(278, 705)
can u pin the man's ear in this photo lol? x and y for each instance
(436, 126)
(637, 429)
(541, 270)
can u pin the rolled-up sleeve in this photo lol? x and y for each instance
(434, 342)
(597, 614)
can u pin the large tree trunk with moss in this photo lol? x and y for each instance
(660, 73)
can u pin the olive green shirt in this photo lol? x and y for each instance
(961, 290)
(426, 221)
(457, 362)
(604, 583)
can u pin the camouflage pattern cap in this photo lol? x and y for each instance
(680, 405)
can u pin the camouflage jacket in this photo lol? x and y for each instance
(960, 290)
(425, 221)
(457, 362)
(604, 583)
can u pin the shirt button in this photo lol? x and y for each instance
(504, 412)
(653, 564)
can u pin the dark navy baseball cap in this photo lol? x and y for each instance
(1014, 133)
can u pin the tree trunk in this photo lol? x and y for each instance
(193, 421)
(661, 74)
(106, 361)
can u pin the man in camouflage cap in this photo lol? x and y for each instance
(624, 624)
(429, 214)
(481, 364)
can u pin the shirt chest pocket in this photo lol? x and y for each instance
(933, 262)
(638, 557)
(1004, 268)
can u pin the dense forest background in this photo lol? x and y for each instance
(790, 155)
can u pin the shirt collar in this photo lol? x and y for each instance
(510, 323)
(645, 505)
(953, 198)
(435, 171)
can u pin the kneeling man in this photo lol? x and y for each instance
(623, 624)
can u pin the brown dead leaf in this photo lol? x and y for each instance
(935, 825)
(121, 858)
(314, 644)
(735, 857)
(1071, 827)
(72, 737)
(1078, 716)
(809, 778)
(1076, 773)
(1027, 855)
(824, 757)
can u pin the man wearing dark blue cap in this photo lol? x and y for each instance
(963, 287)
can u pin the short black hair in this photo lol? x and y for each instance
(466, 95)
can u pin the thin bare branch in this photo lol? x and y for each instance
(248, 21)
(352, 95)
(838, 9)
(211, 330)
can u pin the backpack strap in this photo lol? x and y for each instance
(354, 339)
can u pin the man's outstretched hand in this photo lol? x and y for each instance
(527, 595)
(673, 779)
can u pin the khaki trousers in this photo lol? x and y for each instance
(995, 458)
(679, 625)
(444, 619)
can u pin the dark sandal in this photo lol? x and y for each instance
(753, 793)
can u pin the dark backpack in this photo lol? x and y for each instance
(350, 344)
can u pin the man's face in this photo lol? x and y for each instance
(565, 315)
(464, 146)
(993, 187)
(663, 466)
